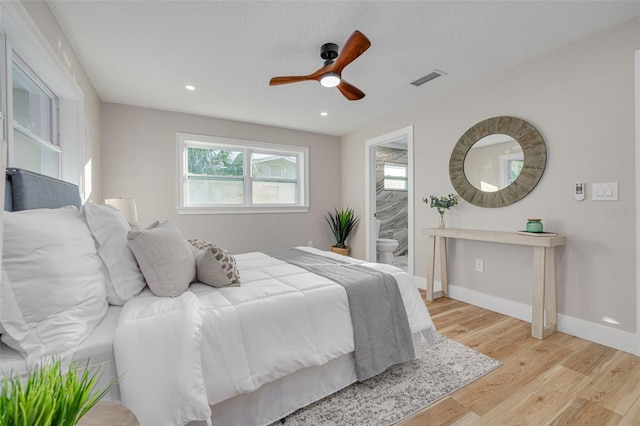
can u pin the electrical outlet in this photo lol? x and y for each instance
(479, 265)
(310, 243)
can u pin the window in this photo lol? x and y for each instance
(35, 146)
(510, 168)
(220, 175)
(514, 167)
(395, 177)
(41, 103)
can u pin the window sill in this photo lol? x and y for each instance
(242, 210)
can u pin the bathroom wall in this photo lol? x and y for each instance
(391, 206)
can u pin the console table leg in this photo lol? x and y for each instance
(431, 263)
(538, 305)
(550, 308)
(444, 278)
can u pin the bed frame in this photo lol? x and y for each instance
(25, 190)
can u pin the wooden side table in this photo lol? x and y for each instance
(108, 413)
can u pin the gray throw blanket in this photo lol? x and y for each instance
(381, 332)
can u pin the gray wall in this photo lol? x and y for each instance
(581, 98)
(140, 161)
(391, 206)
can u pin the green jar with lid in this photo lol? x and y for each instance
(534, 225)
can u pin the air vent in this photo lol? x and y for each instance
(427, 78)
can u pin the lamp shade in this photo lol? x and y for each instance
(127, 206)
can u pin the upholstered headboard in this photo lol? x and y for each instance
(29, 190)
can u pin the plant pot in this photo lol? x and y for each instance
(342, 251)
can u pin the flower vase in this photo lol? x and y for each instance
(442, 220)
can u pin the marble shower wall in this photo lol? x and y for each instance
(391, 206)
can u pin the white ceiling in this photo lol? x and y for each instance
(143, 53)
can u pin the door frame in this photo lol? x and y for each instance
(370, 191)
(637, 178)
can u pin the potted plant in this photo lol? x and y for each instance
(342, 222)
(50, 397)
(442, 204)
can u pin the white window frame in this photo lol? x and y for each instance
(505, 167)
(186, 140)
(53, 144)
(395, 178)
(20, 35)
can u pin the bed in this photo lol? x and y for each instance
(230, 355)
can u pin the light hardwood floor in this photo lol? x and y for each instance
(562, 380)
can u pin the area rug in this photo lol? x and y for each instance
(400, 391)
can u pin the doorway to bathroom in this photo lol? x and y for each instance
(389, 199)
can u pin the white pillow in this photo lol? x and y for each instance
(165, 259)
(109, 228)
(52, 290)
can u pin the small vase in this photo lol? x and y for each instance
(442, 220)
(534, 225)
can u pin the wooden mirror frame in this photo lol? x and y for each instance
(535, 160)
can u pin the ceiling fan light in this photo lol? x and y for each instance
(330, 79)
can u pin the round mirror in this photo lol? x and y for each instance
(497, 162)
(494, 162)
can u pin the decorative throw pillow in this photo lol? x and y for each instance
(215, 266)
(52, 292)
(109, 228)
(164, 257)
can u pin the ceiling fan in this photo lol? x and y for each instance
(330, 74)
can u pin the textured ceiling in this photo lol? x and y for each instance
(143, 53)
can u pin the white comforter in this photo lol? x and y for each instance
(179, 355)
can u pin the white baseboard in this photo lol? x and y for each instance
(598, 333)
(420, 282)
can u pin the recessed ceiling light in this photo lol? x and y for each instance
(189, 87)
(324, 113)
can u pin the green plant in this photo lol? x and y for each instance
(442, 203)
(50, 397)
(342, 222)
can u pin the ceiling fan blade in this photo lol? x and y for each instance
(355, 46)
(291, 79)
(296, 78)
(350, 91)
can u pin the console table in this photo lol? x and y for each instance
(544, 269)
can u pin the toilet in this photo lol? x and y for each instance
(384, 246)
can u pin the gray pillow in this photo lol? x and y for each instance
(164, 257)
(215, 266)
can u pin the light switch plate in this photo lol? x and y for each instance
(604, 191)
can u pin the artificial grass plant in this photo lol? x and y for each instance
(50, 397)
